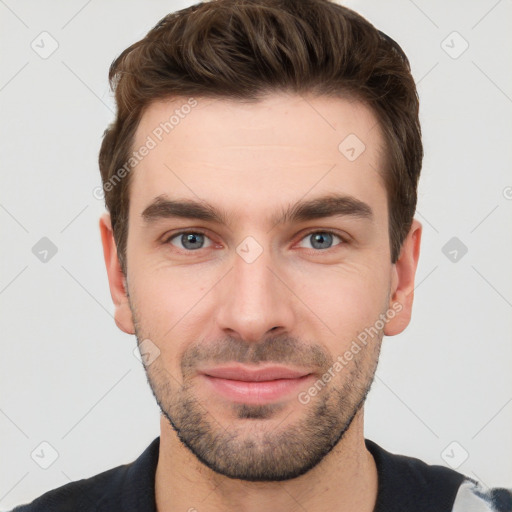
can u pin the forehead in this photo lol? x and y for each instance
(252, 155)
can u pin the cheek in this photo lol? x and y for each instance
(155, 302)
(166, 300)
(348, 298)
(161, 315)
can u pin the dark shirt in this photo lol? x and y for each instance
(404, 484)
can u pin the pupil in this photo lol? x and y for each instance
(321, 240)
(190, 239)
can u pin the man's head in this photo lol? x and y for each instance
(268, 221)
(247, 49)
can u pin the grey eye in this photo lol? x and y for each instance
(320, 240)
(189, 241)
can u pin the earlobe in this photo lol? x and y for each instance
(402, 281)
(116, 279)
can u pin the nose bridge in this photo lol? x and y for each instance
(254, 301)
(252, 282)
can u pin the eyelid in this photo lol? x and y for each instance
(166, 239)
(345, 238)
(169, 236)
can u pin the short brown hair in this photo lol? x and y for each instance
(244, 49)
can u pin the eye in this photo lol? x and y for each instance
(194, 240)
(189, 240)
(320, 240)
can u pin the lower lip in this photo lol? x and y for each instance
(256, 392)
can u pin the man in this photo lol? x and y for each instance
(260, 179)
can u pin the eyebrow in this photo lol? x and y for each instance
(331, 205)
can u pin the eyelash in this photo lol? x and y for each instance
(344, 239)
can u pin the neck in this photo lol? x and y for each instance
(345, 481)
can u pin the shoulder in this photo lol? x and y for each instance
(472, 496)
(80, 496)
(407, 483)
(120, 488)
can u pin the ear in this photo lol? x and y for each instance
(402, 281)
(116, 279)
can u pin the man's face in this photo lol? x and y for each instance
(254, 290)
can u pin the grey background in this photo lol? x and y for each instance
(69, 376)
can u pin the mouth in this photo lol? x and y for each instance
(254, 385)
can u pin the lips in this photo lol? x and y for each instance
(247, 374)
(243, 384)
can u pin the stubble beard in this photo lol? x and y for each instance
(257, 443)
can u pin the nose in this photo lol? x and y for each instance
(255, 300)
